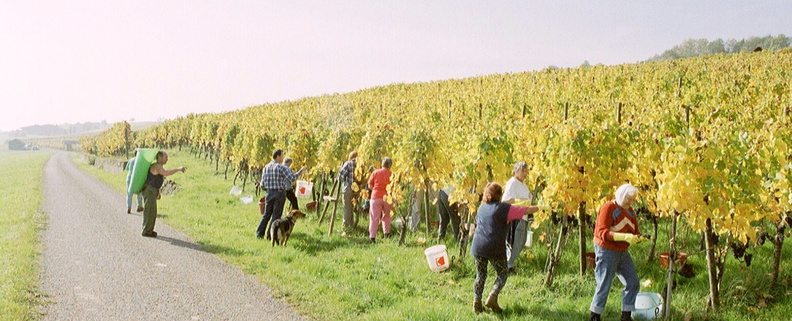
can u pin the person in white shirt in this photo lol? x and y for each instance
(516, 191)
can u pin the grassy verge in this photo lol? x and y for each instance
(344, 278)
(20, 222)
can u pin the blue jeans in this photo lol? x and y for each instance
(610, 263)
(129, 197)
(139, 199)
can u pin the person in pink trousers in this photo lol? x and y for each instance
(380, 209)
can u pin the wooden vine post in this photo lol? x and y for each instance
(335, 209)
(405, 215)
(778, 243)
(464, 232)
(672, 254)
(426, 206)
(329, 199)
(582, 233)
(712, 273)
(555, 256)
(654, 238)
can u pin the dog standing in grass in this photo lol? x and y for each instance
(282, 227)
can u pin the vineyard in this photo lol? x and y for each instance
(705, 139)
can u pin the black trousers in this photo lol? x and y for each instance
(447, 214)
(292, 199)
(481, 275)
(272, 210)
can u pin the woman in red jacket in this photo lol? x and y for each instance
(616, 229)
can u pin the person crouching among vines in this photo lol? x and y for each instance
(615, 230)
(489, 242)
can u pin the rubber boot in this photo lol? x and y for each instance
(594, 317)
(626, 316)
(477, 307)
(492, 303)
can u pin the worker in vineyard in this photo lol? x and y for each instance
(290, 191)
(151, 191)
(380, 209)
(615, 230)
(516, 192)
(346, 175)
(276, 178)
(449, 213)
(489, 242)
(130, 166)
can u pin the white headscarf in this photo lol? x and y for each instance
(623, 192)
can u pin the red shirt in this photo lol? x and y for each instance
(613, 218)
(378, 181)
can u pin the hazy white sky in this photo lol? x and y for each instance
(81, 60)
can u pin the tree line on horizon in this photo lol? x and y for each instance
(699, 47)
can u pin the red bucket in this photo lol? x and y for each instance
(262, 203)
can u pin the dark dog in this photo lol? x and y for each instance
(282, 227)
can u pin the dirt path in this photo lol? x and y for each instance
(96, 266)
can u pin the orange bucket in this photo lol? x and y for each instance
(680, 261)
(591, 260)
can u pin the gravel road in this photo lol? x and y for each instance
(96, 266)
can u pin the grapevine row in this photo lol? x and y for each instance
(706, 138)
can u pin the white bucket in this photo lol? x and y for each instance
(648, 306)
(236, 191)
(304, 189)
(246, 199)
(529, 238)
(437, 258)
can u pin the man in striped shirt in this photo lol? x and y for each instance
(276, 178)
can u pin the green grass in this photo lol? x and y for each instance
(20, 222)
(340, 278)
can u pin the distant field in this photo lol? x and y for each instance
(57, 141)
(142, 125)
(4, 138)
(20, 222)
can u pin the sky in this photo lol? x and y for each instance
(89, 61)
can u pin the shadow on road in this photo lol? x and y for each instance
(181, 243)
